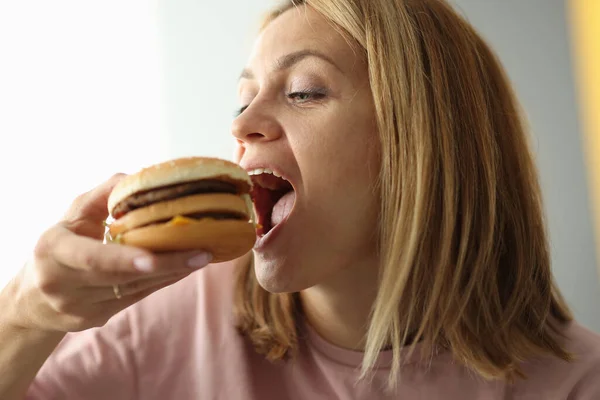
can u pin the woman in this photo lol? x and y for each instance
(414, 263)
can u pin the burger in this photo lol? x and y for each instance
(193, 203)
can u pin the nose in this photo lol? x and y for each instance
(257, 123)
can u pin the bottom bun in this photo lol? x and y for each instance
(224, 239)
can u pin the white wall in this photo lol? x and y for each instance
(79, 100)
(205, 46)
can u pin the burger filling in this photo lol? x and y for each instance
(183, 204)
(146, 198)
(273, 199)
(187, 218)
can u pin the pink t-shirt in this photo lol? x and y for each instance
(181, 343)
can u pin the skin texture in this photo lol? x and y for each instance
(325, 142)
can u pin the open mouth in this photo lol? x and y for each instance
(273, 197)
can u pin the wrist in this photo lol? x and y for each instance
(13, 319)
(30, 334)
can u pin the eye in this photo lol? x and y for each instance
(306, 96)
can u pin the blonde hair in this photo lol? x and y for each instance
(466, 264)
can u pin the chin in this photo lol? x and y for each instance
(278, 276)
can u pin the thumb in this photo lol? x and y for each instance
(92, 206)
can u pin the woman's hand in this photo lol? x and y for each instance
(75, 282)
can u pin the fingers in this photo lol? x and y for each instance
(73, 289)
(131, 299)
(107, 264)
(86, 254)
(97, 294)
(92, 205)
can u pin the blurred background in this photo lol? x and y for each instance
(91, 88)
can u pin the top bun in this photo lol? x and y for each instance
(177, 171)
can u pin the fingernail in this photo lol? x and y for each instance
(199, 260)
(143, 263)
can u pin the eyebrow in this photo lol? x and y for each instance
(289, 60)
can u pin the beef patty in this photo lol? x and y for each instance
(165, 193)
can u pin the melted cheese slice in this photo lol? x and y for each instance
(179, 220)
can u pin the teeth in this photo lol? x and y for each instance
(258, 171)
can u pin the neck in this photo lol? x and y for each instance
(339, 309)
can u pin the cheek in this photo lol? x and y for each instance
(340, 165)
(342, 151)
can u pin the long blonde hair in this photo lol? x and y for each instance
(466, 264)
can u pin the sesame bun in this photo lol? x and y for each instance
(177, 171)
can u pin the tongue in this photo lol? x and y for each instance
(283, 207)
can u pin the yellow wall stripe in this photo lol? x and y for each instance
(585, 28)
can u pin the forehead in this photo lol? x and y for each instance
(303, 28)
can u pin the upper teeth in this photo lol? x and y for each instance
(258, 171)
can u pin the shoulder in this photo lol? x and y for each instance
(584, 345)
(583, 342)
(576, 379)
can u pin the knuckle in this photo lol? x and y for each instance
(90, 261)
(63, 305)
(44, 281)
(74, 210)
(117, 176)
(79, 200)
(43, 247)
